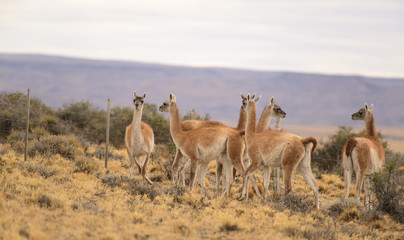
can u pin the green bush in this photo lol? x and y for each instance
(52, 124)
(82, 119)
(388, 187)
(194, 115)
(13, 111)
(16, 140)
(38, 132)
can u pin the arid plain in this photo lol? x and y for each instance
(53, 197)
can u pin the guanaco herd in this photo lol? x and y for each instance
(248, 147)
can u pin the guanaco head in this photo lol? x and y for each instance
(251, 100)
(273, 110)
(243, 102)
(363, 113)
(165, 107)
(138, 100)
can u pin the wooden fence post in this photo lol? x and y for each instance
(27, 129)
(107, 134)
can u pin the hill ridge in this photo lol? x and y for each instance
(307, 98)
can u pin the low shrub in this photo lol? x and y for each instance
(43, 200)
(312, 233)
(343, 204)
(138, 187)
(112, 180)
(296, 202)
(100, 154)
(38, 132)
(48, 146)
(43, 171)
(229, 227)
(389, 190)
(349, 214)
(86, 165)
(16, 140)
(52, 124)
(3, 163)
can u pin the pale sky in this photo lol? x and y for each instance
(364, 37)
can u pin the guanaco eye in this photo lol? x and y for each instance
(142, 101)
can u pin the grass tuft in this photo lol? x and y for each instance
(43, 171)
(341, 205)
(112, 180)
(349, 214)
(86, 165)
(182, 229)
(138, 187)
(228, 226)
(296, 202)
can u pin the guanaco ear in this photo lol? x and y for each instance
(172, 97)
(144, 94)
(371, 107)
(366, 107)
(271, 101)
(134, 94)
(253, 96)
(256, 100)
(242, 96)
(248, 96)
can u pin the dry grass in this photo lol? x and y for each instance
(57, 198)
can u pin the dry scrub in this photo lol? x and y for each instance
(55, 197)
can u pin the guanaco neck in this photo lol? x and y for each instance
(251, 121)
(263, 123)
(370, 126)
(174, 120)
(137, 119)
(242, 120)
(278, 123)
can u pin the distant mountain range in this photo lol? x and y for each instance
(307, 98)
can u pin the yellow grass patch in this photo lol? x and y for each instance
(46, 199)
(350, 214)
(333, 179)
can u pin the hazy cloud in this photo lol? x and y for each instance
(361, 37)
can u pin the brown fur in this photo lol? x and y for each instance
(349, 145)
(145, 144)
(362, 147)
(313, 141)
(200, 144)
(194, 124)
(267, 147)
(270, 110)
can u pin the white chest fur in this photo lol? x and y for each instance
(374, 164)
(138, 146)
